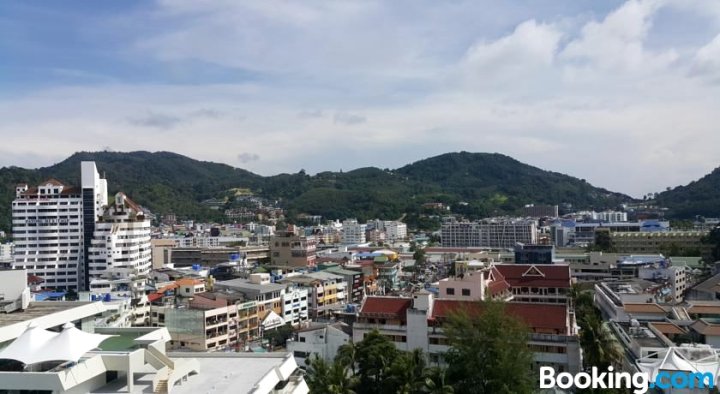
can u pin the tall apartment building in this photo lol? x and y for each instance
(64, 234)
(120, 249)
(288, 249)
(353, 233)
(94, 200)
(47, 225)
(489, 233)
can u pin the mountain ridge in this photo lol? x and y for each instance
(490, 183)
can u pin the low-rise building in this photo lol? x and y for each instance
(416, 323)
(540, 283)
(326, 292)
(321, 340)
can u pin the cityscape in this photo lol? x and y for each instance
(378, 197)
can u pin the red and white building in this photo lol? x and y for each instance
(417, 323)
(541, 283)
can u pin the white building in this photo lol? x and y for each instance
(353, 233)
(295, 305)
(395, 231)
(48, 232)
(500, 234)
(611, 216)
(6, 252)
(417, 323)
(120, 250)
(52, 223)
(321, 340)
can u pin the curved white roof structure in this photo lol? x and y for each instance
(690, 359)
(28, 345)
(36, 345)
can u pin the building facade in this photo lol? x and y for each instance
(500, 234)
(288, 249)
(121, 246)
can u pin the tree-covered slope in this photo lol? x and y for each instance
(701, 197)
(168, 182)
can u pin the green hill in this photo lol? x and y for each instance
(167, 182)
(701, 197)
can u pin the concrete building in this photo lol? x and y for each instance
(288, 249)
(161, 252)
(534, 254)
(540, 283)
(120, 250)
(658, 242)
(474, 285)
(353, 233)
(290, 302)
(416, 323)
(134, 360)
(6, 252)
(321, 340)
(203, 325)
(540, 211)
(500, 234)
(326, 292)
(354, 280)
(48, 233)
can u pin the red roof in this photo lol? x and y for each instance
(393, 307)
(549, 275)
(34, 279)
(155, 297)
(538, 317)
(498, 287)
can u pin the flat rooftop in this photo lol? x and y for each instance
(219, 373)
(39, 309)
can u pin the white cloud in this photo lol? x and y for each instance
(616, 43)
(345, 85)
(707, 61)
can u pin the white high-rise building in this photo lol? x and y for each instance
(95, 198)
(353, 233)
(52, 227)
(119, 256)
(47, 225)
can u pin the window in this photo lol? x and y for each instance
(450, 291)
(466, 292)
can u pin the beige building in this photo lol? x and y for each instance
(288, 249)
(658, 242)
(161, 252)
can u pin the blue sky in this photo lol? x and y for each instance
(621, 93)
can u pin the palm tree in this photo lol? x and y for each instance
(330, 378)
(597, 343)
(347, 355)
(435, 382)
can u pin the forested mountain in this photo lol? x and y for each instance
(167, 182)
(701, 197)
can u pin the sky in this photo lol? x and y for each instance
(624, 94)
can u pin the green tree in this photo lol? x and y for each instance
(603, 241)
(489, 352)
(330, 378)
(280, 335)
(375, 355)
(713, 240)
(599, 349)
